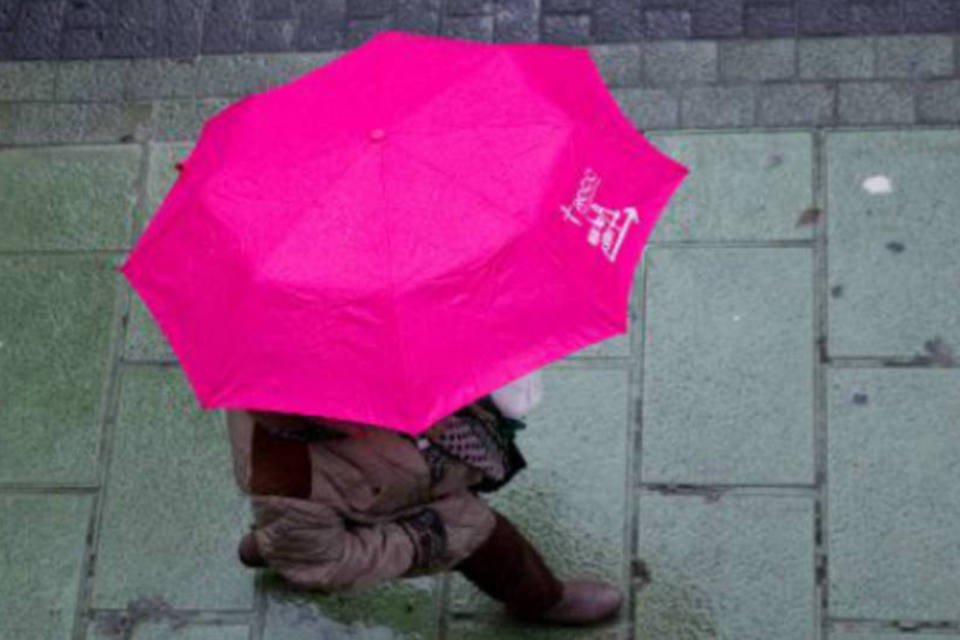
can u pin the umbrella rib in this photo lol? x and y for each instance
(392, 284)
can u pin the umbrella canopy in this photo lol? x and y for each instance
(402, 231)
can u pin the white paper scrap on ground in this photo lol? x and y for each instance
(877, 185)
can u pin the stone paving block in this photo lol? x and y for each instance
(161, 78)
(43, 540)
(6, 45)
(929, 15)
(718, 18)
(272, 35)
(359, 31)
(914, 56)
(182, 119)
(170, 470)
(92, 13)
(469, 7)
(892, 228)
(621, 65)
(273, 9)
(680, 62)
(418, 16)
(226, 26)
(836, 58)
(823, 17)
(715, 107)
(287, 67)
(649, 108)
(757, 60)
(49, 123)
(517, 21)
(893, 452)
(562, 6)
(910, 635)
(56, 325)
(719, 199)
(876, 17)
(161, 174)
(8, 13)
(135, 37)
(27, 80)
(668, 23)
(117, 122)
(82, 44)
(478, 28)
(738, 568)
(566, 28)
(321, 24)
(184, 27)
(570, 499)
(618, 20)
(230, 75)
(770, 20)
(38, 29)
(875, 103)
(368, 8)
(91, 80)
(6, 122)
(727, 367)
(796, 104)
(399, 610)
(939, 102)
(67, 198)
(168, 631)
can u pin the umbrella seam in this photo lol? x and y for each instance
(395, 315)
(453, 178)
(462, 79)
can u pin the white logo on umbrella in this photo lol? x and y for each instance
(607, 227)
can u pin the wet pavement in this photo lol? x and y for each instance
(775, 442)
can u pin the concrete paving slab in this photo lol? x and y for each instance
(891, 217)
(172, 515)
(739, 567)
(56, 326)
(741, 186)
(728, 367)
(43, 539)
(893, 512)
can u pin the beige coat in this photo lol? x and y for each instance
(351, 532)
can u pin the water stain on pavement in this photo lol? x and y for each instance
(810, 217)
(940, 352)
(895, 247)
(859, 397)
(120, 625)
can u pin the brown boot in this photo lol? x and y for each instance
(249, 553)
(584, 602)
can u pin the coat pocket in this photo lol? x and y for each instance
(376, 474)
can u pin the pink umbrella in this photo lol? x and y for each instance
(401, 231)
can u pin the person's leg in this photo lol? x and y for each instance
(508, 568)
(279, 466)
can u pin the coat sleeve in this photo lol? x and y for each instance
(311, 546)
